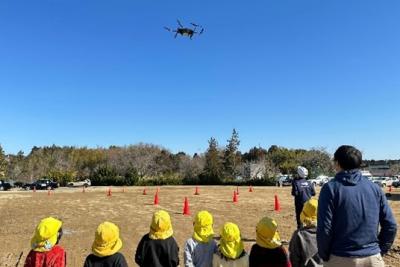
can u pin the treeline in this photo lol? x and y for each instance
(389, 162)
(147, 164)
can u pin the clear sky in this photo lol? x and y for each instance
(298, 74)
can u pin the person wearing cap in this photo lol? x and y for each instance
(303, 249)
(268, 250)
(302, 190)
(158, 248)
(356, 225)
(105, 248)
(230, 252)
(45, 250)
(199, 249)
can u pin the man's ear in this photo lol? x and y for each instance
(337, 166)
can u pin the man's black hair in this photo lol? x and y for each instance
(59, 235)
(348, 157)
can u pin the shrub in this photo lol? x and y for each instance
(131, 177)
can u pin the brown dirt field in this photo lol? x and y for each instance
(132, 211)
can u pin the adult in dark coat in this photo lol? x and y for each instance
(356, 225)
(302, 190)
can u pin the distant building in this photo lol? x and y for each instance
(380, 170)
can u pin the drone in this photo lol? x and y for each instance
(188, 32)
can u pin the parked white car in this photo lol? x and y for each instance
(84, 183)
(326, 180)
(320, 180)
(385, 181)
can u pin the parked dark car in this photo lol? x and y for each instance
(4, 186)
(396, 184)
(19, 184)
(42, 184)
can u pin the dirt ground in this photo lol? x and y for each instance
(132, 211)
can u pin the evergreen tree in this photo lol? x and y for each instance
(232, 156)
(213, 169)
(3, 163)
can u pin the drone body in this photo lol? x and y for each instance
(187, 32)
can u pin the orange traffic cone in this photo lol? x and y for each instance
(123, 189)
(144, 192)
(250, 189)
(390, 189)
(156, 200)
(277, 204)
(83, 189)
(48, 192)
(109, 192)
(197, 192)
(237, 190)
(34, 189)
(186, 210)
(235, 197)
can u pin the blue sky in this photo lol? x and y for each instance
(299, 74)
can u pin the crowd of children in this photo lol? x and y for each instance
(158, 248)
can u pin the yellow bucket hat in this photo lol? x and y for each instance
(267, 234)
(309, 214)
(203, 227)
(46, 233)
(161, 227)
(106, 240)
(231, 245)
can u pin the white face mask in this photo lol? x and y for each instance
(48, 245)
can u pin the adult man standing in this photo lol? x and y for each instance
(350, 210)
(302, 190)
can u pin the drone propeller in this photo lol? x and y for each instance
(194, 24)
(179, 23)
(168, 29)
(202, 30)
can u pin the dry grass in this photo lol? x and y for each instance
(131, 211)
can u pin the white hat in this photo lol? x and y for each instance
(302, 172)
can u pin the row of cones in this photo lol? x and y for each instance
(236, 193)
(277, 206)
(197, 191)
(109, 192)
(48, 191)
(186, 210)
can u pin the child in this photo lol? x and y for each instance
(45, 249)
(199, 249)
(158, 248)
(105, 248)
(303, 245)
(230, 251)
(268, 250)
